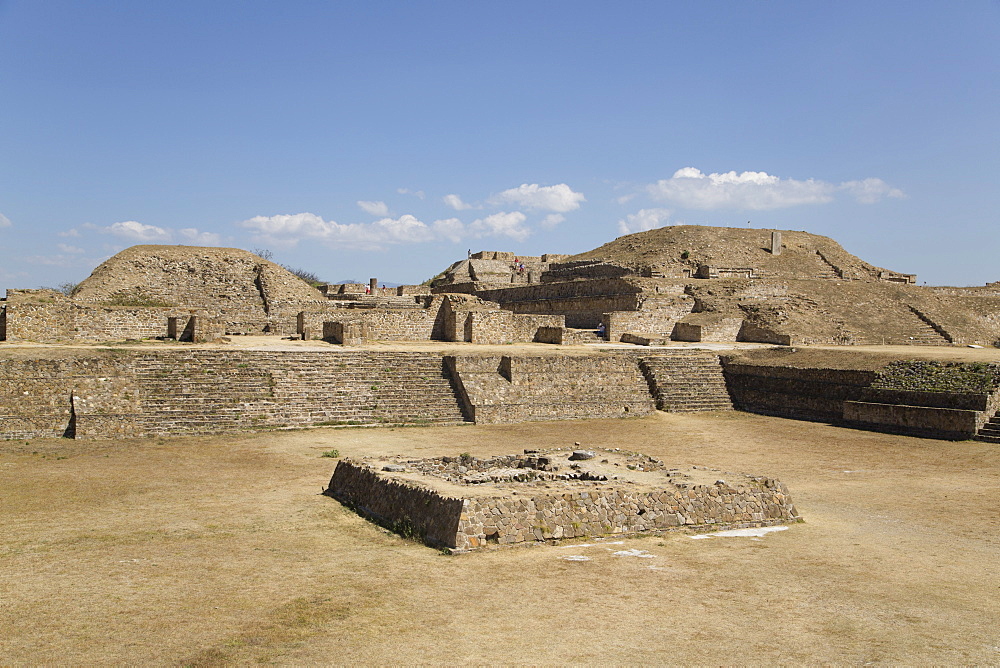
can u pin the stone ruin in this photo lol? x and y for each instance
(680, 283)
(465, 503)
(701, 283)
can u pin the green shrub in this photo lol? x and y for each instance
(135, 298)
(920, 376)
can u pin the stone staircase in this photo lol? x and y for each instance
(825, 270)
(900, 328)
(686, 382)
(923, 334)
(572, 335)
(214, 392)
(989, 432)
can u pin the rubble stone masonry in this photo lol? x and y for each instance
(466, 503)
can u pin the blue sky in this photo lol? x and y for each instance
(384, 139)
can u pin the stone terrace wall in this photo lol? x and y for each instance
(105, 394)
(655, 316)
(385, 323)
(804, 394)
(503, 389)
(77, 396)
(948, 415)
(498, 327)
(582, 302)
(843, 396)
(46, 316)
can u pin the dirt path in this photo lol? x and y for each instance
(221, 550)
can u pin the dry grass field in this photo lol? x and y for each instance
(209, 551)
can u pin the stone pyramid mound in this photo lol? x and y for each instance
(194, 276)
(669, 250)
(244, 292)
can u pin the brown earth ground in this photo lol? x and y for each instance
(221, 550)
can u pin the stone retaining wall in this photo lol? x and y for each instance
(77, 396)
(404, 507)
(46, 316)
(415, 323)
(599, 512)
(109, 394)
(804, 394)
(945, 423)
(656, 316)
(843, 396)
(504, 389)
(583, 303)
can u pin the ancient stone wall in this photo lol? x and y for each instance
(105, 394)
(46, 316)
(945, 423)
(405, 507)
(384, 323)
(599, 512)
(498, 327)
(501, 388)
(75, 396)
(843, 396)
(805, 394)
(655, 315)
(120, 392)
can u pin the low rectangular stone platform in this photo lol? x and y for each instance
(465, 502)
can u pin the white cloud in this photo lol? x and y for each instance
(406, 191)
(72, 232)
(405, 229)
(501, 224)
(131, 229)
(451, 229)
(691, 188)
(869, 191)
(201, 238)
(455, 202)
(66, 248)
(4, 221)
(559, 198)
(552, 220)
(644, 219)
(374, 208)
(290, 229)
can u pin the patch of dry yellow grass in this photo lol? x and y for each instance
(217, 551)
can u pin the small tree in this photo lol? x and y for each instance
(307, 276)
(65, 288)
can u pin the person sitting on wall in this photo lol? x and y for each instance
(600, 330)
